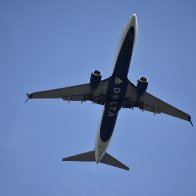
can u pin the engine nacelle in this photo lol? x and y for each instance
(142, 85)
(95, 79)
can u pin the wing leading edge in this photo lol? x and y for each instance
(153, 104)
(81, 93)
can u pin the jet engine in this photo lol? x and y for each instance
(142, 85)
(95, 78)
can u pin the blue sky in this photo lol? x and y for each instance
(50, 44)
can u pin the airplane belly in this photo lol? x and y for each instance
(107, 125)
(114, 98)
(116, 90)
(104, 133)
(125, 54)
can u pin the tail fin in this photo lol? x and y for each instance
(90, 157)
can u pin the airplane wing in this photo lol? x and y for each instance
(81, 93)
(151, 103)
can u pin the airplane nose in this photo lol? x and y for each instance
(134, 20)
(134, 16)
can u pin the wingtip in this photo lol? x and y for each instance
(189, 119)
(29, 96)
(63, 159)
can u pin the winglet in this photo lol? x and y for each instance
(29, 96)
(189, 119)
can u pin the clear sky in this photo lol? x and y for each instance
(50, 44)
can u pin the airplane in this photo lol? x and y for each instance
(114, 93)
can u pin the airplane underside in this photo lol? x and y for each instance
(114, 93)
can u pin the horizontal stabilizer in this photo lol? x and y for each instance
(87, 156)
(109, 160)
(90, 157)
